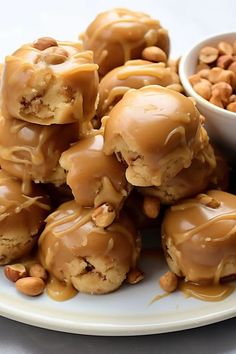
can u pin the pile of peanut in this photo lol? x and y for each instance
(215, 78)
(29, 281)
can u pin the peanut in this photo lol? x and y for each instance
(223, 90)
(232, 98)
(104, 215)
(36, 270)
(13, 272)
(202, 66)
(224, 61)
(194, 79)
(208, 54)
(151, 207)
(215, 99)
(203, 88)
(225, 48)
(154, 54)
(54, 55)
(231, 107)
(30, 286)
(44, 43)
(168, 282)
(218, 74)
(134, 276)
(208, 201)
(204, 73)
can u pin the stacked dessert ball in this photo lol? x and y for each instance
(133, 131)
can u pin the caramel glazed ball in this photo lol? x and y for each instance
(157, 132)
(93, 259)
(119, 35)
(96, 180)
(134, 74)
(21, 217)
(50, 82)
(32, 151)
(199, 237)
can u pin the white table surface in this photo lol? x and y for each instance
(188, 21)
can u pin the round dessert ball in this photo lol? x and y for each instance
(199, 237)
(50, 82)
(118, 35)
(94, 260)
(156, 131)
(21, 217)
(133, 74)
(189, 181)
(94, 177)
(32, 151)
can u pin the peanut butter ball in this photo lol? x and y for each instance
(50, 82)
(21, 217)
(199, 237)
(94, 260)
(189, 181)
(118, 35)
(156, 131)
(133, 74)
(94, 177)
(32, 151)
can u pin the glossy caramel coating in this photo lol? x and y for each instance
(94, 260)
(94, 177)
(31, 151)
(21, 217)
(118, 35)
(199, 237)
(189, 181)
(156, 131)
(133, 74)
(56, 85)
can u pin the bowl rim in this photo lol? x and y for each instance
(187, 85)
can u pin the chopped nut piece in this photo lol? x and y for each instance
(44, 43)
(135, 276)
(168, 282)
(104, 215)
(13, 272)
(151, 207)
(208, 201)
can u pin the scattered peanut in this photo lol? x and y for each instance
(54, 55)
(223, 90)
(208, 54)
(30, 286)
(134, 276)
(169, 282)
(13, 272)
(36, 270)
(151, 207)
(154, 54)
(215, 99)
(44, 43)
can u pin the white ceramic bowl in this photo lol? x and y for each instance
(220, 123)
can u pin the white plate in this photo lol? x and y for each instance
(125, 312)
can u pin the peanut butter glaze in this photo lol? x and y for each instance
(199, 236)
(119, 35)
(189, 181)
(133, 74)
(31, 151)
(94, 177)
(21, 217)
(74, 250)
(56, 85)
(157, 131)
